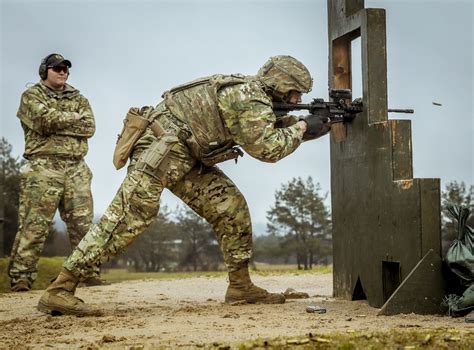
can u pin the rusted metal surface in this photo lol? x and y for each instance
(384, 221)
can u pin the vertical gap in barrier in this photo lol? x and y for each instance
(391, 278)
(356, 68)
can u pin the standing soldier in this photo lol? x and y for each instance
(176, 146)
(57, 121)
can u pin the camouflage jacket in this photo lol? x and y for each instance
(224, 111)
(248, 115)
(49, 123)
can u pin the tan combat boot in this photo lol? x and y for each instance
(59, 299)
(21, 286)
(241, 288)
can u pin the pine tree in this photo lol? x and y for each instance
(199, 248)
(9, 196)
(302, 219)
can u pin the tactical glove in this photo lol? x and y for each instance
(317, 126)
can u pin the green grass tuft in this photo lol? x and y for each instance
(49, 268)
(440, 338)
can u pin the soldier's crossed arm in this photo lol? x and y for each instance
(85, 126)
(36, 115)
(88, 120)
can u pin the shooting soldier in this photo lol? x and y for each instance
(176, 145)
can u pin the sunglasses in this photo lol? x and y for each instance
(58, 69)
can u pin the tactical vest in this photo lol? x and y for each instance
(195, 103)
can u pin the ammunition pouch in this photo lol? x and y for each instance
(134, 124)
(151, 159)
(168, 131)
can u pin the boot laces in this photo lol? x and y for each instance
(71, 298)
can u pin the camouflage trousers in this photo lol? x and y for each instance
(208, 191)
(48, 184)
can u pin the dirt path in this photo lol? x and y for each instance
(190, 312)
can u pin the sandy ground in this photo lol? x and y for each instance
(191, 312)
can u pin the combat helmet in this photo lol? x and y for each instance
(281, 74)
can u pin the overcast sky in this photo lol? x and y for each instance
(126, 53)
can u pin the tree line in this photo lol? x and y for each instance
(298, 228)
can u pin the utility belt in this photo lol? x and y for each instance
(168, 124)
(218, 155)
(168, 130)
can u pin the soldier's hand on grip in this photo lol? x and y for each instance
(317, 126)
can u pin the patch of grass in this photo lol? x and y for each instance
(48, 268)
(119, 275)
(269, 269)
(394, 339)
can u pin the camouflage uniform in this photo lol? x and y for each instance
(216, 113)
(176, 146)
(55, 175)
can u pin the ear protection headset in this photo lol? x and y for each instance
(43, 69)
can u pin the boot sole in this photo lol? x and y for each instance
(54, 310)
(249, 301)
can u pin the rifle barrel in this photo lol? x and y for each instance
(396, 110)
(300, 106)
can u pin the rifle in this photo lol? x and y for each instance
(337, 110)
